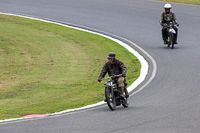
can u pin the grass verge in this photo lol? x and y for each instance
(46, 68)
(194, 2)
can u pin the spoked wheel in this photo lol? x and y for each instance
(125, 101)
(172, 40)
(168, 42)
(110, 98)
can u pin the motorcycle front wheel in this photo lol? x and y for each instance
(110, 98)
(172, 40)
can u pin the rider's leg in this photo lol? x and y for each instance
(120, 82)
(122, 91)
(164, 35)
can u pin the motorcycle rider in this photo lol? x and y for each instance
(165, 18)
(114, 67)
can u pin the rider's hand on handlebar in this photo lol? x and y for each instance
(113, 76)
(164, 25)
(177, 24)
(99, 80)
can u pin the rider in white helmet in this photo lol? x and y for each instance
(167, 6)
(165, 18)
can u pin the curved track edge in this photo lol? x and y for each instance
(148, 64)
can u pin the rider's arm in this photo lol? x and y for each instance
(161, 19)
(174, 18)
(103, 71)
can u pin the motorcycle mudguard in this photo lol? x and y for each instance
(171, 30)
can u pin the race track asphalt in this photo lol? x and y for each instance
(169, 104)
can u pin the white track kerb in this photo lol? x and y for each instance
(143, 73)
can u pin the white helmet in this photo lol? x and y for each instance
(167, 6)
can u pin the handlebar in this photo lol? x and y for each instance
(114, 76)
(170, 25)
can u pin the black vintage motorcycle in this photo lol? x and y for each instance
(170, 33)
(112, 93)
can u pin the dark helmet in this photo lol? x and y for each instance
(111, 55)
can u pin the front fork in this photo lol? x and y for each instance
(110, 89)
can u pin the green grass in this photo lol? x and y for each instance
(46, 68)
(194, 2)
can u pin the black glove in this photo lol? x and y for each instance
(177, 24)
(164, 25)
(99, 80)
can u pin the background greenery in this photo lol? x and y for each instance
(195, 2)
(46, 68)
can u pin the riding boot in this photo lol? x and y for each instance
(175, 42)
(122, 91)
(165, 41)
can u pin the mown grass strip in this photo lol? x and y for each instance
(46, 68)
(194, 2)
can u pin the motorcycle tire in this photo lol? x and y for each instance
(172, 40)
(168, 44)
(125, 103)
(110, 98)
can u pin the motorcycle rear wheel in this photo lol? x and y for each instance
(125, 102)
(110, 98)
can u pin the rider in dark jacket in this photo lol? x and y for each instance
(114, 67)
(165, 18)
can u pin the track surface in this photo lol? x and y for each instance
(169, 104)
